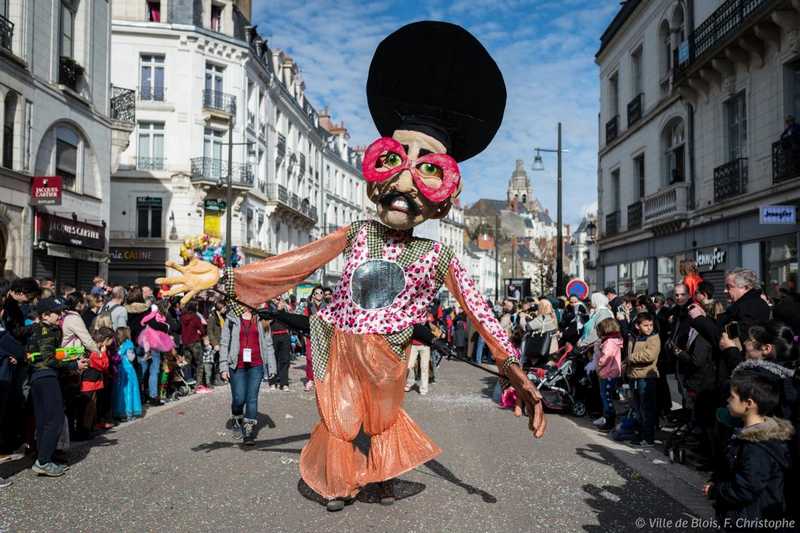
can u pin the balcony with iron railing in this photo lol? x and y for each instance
(151, 163)
(219, 102)
(69, 72)
(151, 93)
(668, 204)
(635, 109)
(123, 104)
(785, 161)
(612, 129)
(6, 33)
(291, 202)
(730, 179)
(612, 223)
(215, 172)
(721, 28)
(635, 215)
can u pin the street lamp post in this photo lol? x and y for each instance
(229, 210)
(538, 166)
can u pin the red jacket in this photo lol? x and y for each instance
(192, 329)
(92, 377)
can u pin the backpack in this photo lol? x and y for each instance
(103, 319)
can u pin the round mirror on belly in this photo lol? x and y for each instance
(376, 283)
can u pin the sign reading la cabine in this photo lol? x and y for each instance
(60, 230)
(46, 190)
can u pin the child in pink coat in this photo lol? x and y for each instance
(609, 369)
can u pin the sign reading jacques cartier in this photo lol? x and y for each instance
(60, 230)
(46, 190)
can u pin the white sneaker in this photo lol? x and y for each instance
(600, 421)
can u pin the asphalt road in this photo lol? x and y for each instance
(178, 469)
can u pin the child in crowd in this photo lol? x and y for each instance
(208, 367)
(641, 368)
(48, 404)
(92, 381)
(751, 487)
(609, 369)
(127, 402)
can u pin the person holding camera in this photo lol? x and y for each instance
(542, 333)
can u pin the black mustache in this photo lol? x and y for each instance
(387, 199)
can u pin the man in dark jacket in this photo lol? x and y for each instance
(741, 286)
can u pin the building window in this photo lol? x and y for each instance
(148, 217)
(154, 11)
(638, 169)
(214, 79)
(673, 141)
(10, 111)
(216, 17)
(665, 42)
(212, 149)
(613, 95)
(67, 158)
(780, 262)
(636, 72)
(736, 126)
(666, 275)
(67, 29)
(615, 191)
(639, 276)
(151, 146)
(792, 84)
(152, 78)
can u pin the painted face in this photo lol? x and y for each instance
(410, 178)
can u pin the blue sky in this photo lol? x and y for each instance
(544, 48)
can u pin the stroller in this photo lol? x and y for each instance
(173, 382)
(559, 383)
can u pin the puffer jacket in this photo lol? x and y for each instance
(752, 485)
(643, 358)
(229, 346)
(609, 362)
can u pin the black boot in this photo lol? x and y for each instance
(386, 492)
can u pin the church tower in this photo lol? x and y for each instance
(520, 192)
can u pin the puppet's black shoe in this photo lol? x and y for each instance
(386, 492)
(338, 504)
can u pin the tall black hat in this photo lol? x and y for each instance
(437, 78)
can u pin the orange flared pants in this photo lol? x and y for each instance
(362, 390)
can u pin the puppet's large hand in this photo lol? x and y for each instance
(531, 399)
(195, 277)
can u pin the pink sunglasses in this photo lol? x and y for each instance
(436, 175)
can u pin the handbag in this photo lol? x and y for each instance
(538, 345)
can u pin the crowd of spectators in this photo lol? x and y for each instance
(707, 369)
(74, 364)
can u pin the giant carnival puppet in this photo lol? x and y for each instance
(437, 98)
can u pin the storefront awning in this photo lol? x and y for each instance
(82, 254)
